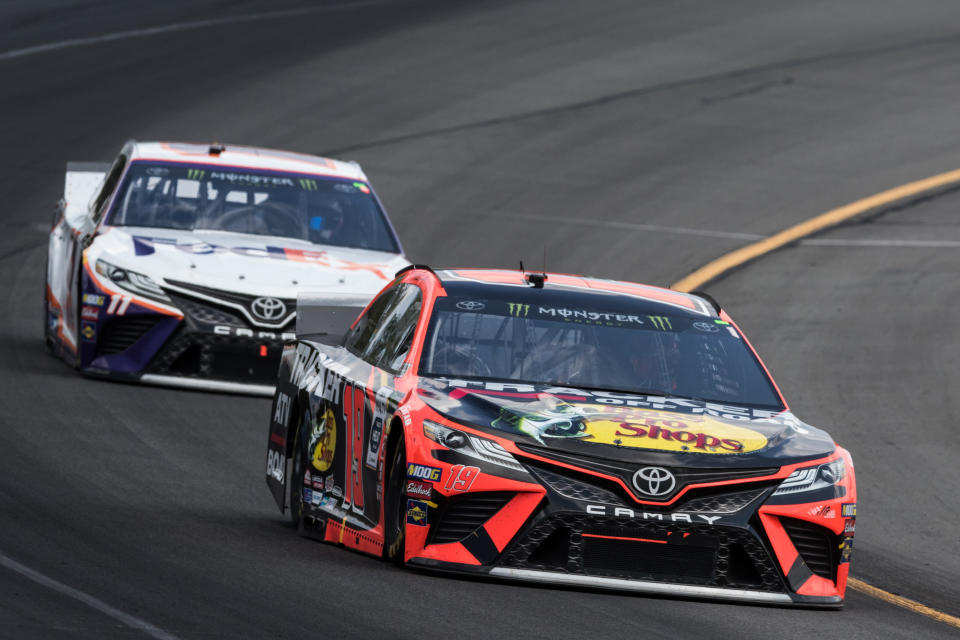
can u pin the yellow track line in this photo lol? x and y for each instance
(900, 601)
(833, 217)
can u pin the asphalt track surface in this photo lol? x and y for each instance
(631, 139)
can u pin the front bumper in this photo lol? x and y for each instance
(718, 543)
(188, 344)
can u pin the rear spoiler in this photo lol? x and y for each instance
(326, 317)
(81, 183)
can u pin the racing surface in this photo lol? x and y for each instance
(635, 140)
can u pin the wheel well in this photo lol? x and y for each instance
(393, 439)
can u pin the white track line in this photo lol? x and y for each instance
(173, 28)
(921, 244)
(632, 226)
(131, 621)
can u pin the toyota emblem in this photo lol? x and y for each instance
(654, 481)
(268, 309)
(470, 305)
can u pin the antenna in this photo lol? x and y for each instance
(521, 267)
(544, 258)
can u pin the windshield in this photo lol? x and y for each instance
(610, 348)
(320, 210)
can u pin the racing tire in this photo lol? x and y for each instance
(295, 490)
(48, 343)
(395, 509)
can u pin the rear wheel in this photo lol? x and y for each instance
(395, 509)
(295, 495)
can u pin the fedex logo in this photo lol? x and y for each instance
(145, 246)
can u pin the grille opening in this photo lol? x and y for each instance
(650, 558)
(554, 551)
(580, 486)
(463, 515)
(816, 545)
(119, 334)
(189, 361)
(740, 568)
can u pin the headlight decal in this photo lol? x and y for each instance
(813, 478)
(132, 281)
(470, 445)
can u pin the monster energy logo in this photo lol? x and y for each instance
(195, 174)
(519, 310)
(661, 322)
(307, 184)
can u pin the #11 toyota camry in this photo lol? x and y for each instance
(558, 429)
(180, 264)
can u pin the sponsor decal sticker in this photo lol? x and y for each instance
(324, 439)
(147, 245)
(308, 495)
(518, 310)
(275, 465)
(470, 305)
(373, 446)
(846, 548)
(848, 510)
(419, 489)
(94, 299)
(661, 322)
(424, 472)
(362, 187)
(850, 525)
(88, 331)
(633, 428)
(706, 327)
(823, 511)
(89, 312)
(417, 513)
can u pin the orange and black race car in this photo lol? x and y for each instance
(557, 429)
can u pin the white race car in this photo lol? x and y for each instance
(180, 264)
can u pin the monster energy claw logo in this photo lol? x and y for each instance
(195, 174)
(307, 184)
(661, 322)
(519, 310)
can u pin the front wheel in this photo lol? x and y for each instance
(395, 509)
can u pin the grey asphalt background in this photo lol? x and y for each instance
(632, 139)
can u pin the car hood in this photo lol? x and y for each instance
(633, 428)
(255, 265)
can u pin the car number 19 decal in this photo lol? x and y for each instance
(461, 478)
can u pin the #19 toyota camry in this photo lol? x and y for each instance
(558, 429)
(180, 263)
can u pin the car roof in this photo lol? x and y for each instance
(560, 286)
(246, 158)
